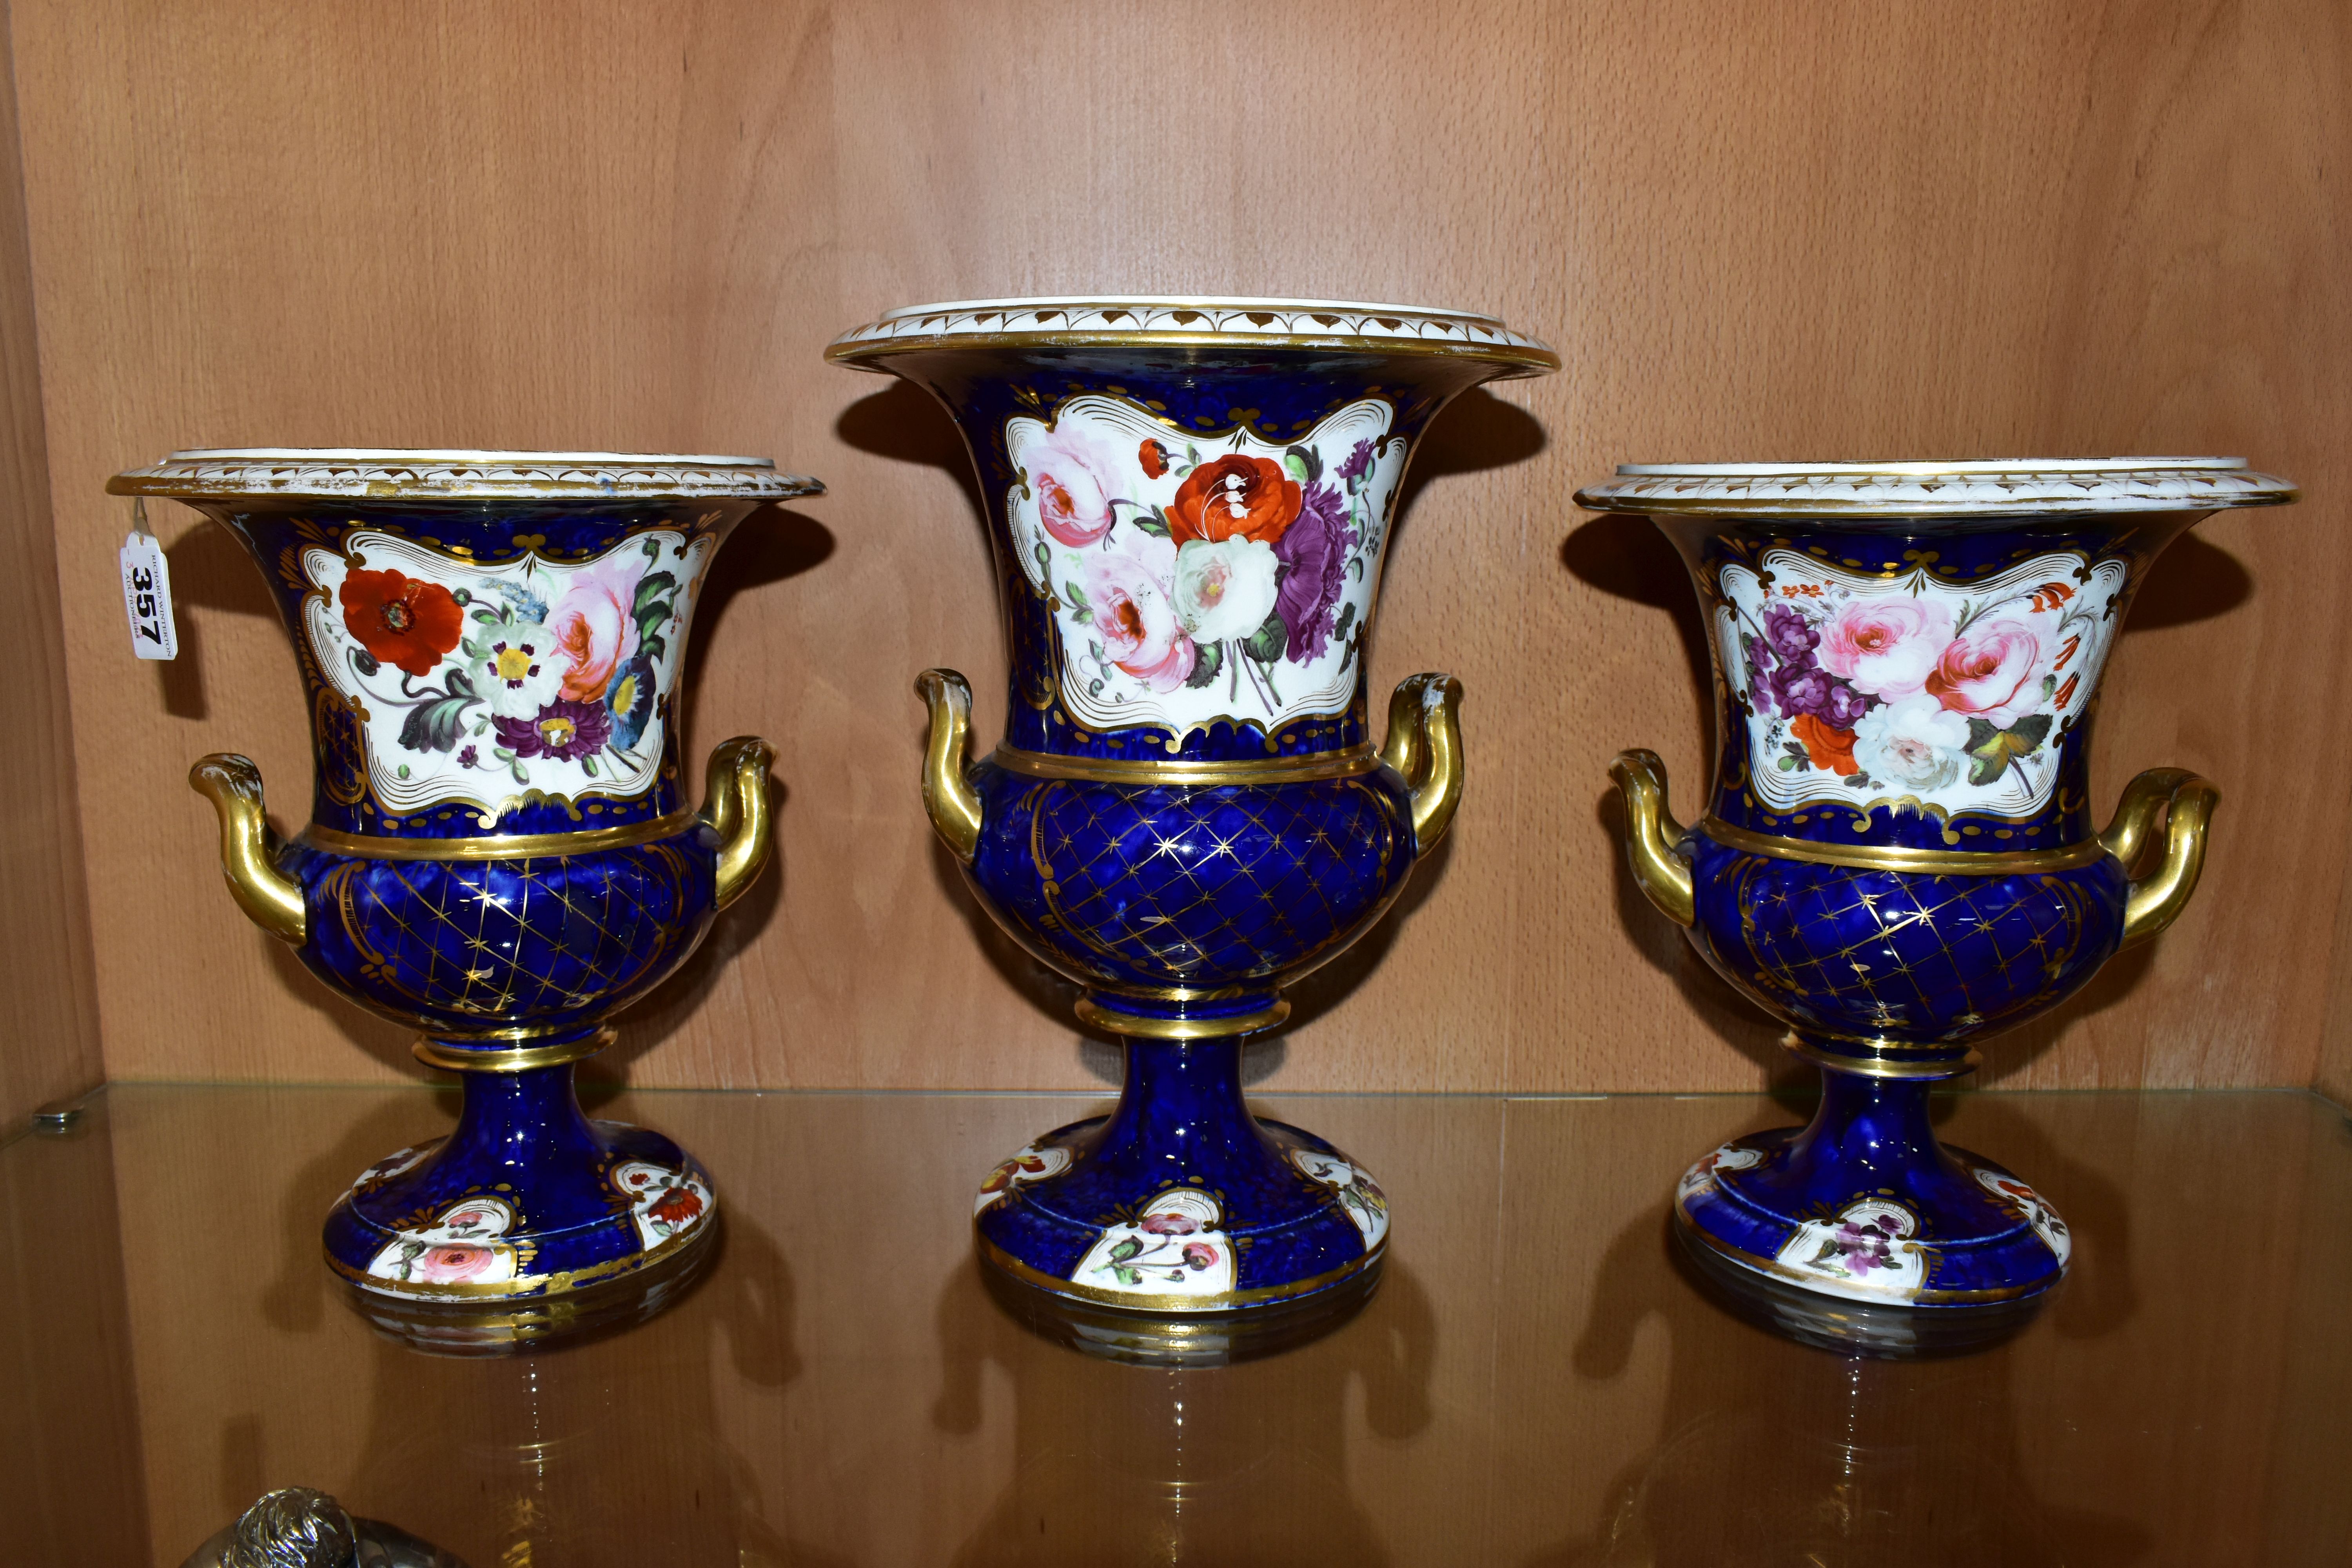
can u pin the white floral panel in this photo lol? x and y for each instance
(1032, 1162)
(1175, 1247)
(497, 684)
(1195, 580)
(1866, 1251)
(2034, 1209)
(1954, 696)
(462, 1248)
(1700, 1177)
(1360, 1195)
(662, 1202)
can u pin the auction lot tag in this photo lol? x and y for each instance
(147, 591)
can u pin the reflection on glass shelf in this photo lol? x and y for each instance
(1538, 1381)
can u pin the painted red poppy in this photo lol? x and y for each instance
(400, 620)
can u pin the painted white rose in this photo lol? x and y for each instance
(521, 669)
(1915, 743)
(1225, 589)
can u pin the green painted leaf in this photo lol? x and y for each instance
(1208, 662)
(434, 725)
(1990, 758)
(656, 592)
(1270, 641)
(1151, 522)
(1075, 594)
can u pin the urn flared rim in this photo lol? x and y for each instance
(1184, 321)
(1894, 489)
(398, 473)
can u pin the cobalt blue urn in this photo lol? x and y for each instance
(499, 854)
(1189, 501)
(1897, 858)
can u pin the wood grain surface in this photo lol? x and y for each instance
(1755, 232)
(49, 1049)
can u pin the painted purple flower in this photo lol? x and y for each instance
(1865, 1245)
(467, 756)
(1789, 681)
(1842, 705)
(564, 731)
(1314, 554)
(1792, 636)
(1358, 462)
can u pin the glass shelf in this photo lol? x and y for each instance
(1537, 1383)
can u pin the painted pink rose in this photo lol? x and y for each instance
(1993, 670)
(1073, 478)
(1134, 614)
(454, 1263)
(595, 625)
(1885, 647)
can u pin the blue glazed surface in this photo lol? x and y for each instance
(482, 954)
(465, 948)
(521, 1137)
(1872, 1137)
(1900, 970)
(1181, 1122)
(1194, 902)
(1232, 889)
(1853, 954)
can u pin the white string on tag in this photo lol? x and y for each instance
(147, 590)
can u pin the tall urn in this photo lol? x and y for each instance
(499, 853)
(1897, 857)
(1189, 501)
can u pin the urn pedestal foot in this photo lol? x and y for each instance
(1181, 1229)
(527, 1198)
(1862, 1232)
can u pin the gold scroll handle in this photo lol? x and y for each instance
(1424, 744)
(1651, 835)
(948, 794)
(2156, 899)
(2153, 902)
(737, 808)
(735, 805)
(270, 899)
